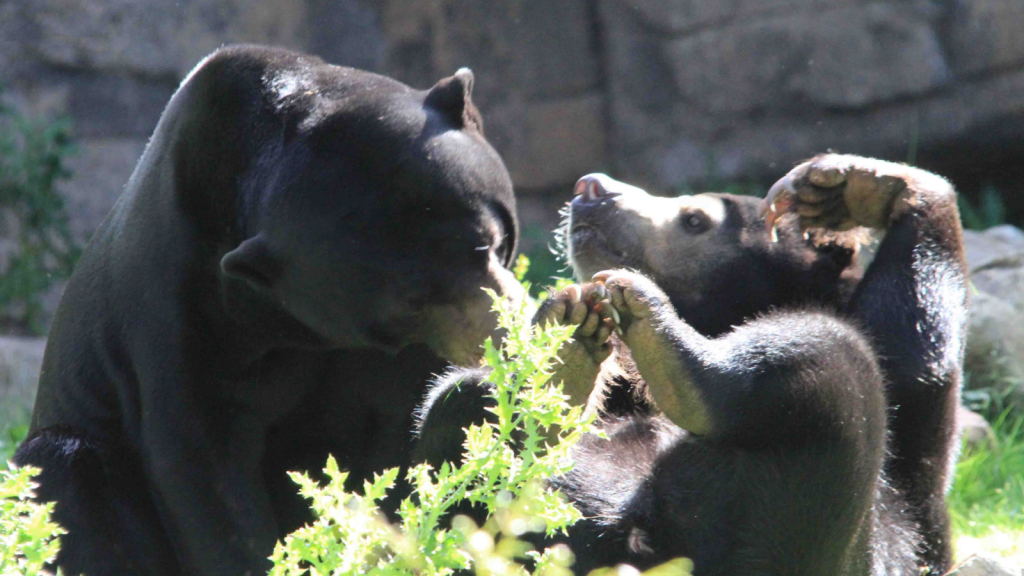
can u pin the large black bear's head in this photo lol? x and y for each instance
(349, 209)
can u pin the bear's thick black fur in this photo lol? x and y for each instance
(300, 247)
(769, 410)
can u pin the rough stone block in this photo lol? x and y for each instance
(975, 431)
(680, 16)
(551, 143)
(995, 343)
(20, 362)
(986, 35)
(107, 34)
(102, 104)
(345, 32)
(846, 58)
(745, 100)
(984, 566)
(13, 39)
(160, 37)
(537, 48)
(100, 169)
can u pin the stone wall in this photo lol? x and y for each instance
(666, 93)
(713, 91)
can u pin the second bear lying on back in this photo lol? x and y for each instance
(769, 410)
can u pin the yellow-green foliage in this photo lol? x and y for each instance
(987, 500)
(503, 470)
(28, 538)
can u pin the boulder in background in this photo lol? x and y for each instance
(995, 344)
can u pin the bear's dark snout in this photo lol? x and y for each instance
(592, 187)
(595, 202)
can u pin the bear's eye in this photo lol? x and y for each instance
(695, 222)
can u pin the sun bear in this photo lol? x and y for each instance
(299, 248)
(771, 407)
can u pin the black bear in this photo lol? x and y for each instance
(300, 247)
(769, 408)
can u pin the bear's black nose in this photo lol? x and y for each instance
(596, 187)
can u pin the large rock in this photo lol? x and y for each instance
(115, 63)
(679, 16)
(706, 93)
(156, 38)
(844, 58)
(986, 35)
(550, 142)
(90, 97)
(985, 566)
(975, 430)
(534, 49)
(763, 146)
(14, 39)
(995, 346)
(997, 244)
(20, 361)
(346, 32)
(101, 167)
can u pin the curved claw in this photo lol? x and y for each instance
(594, 293)
(781, 199)
(613, 314)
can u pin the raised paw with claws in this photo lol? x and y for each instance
(839, 192)
(632, 295)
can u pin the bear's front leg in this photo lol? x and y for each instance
(204, 467)
(667, 351)
(911, 302)
(842, 191)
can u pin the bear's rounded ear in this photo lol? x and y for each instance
(253, 262)
(453, 97)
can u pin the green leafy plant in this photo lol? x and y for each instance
(992, 399)
(11, 434)
(987, 499)
(552, 283)
(988, 212)
(42, 249)
(28, 537)
(546, 260)
(504, 469)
